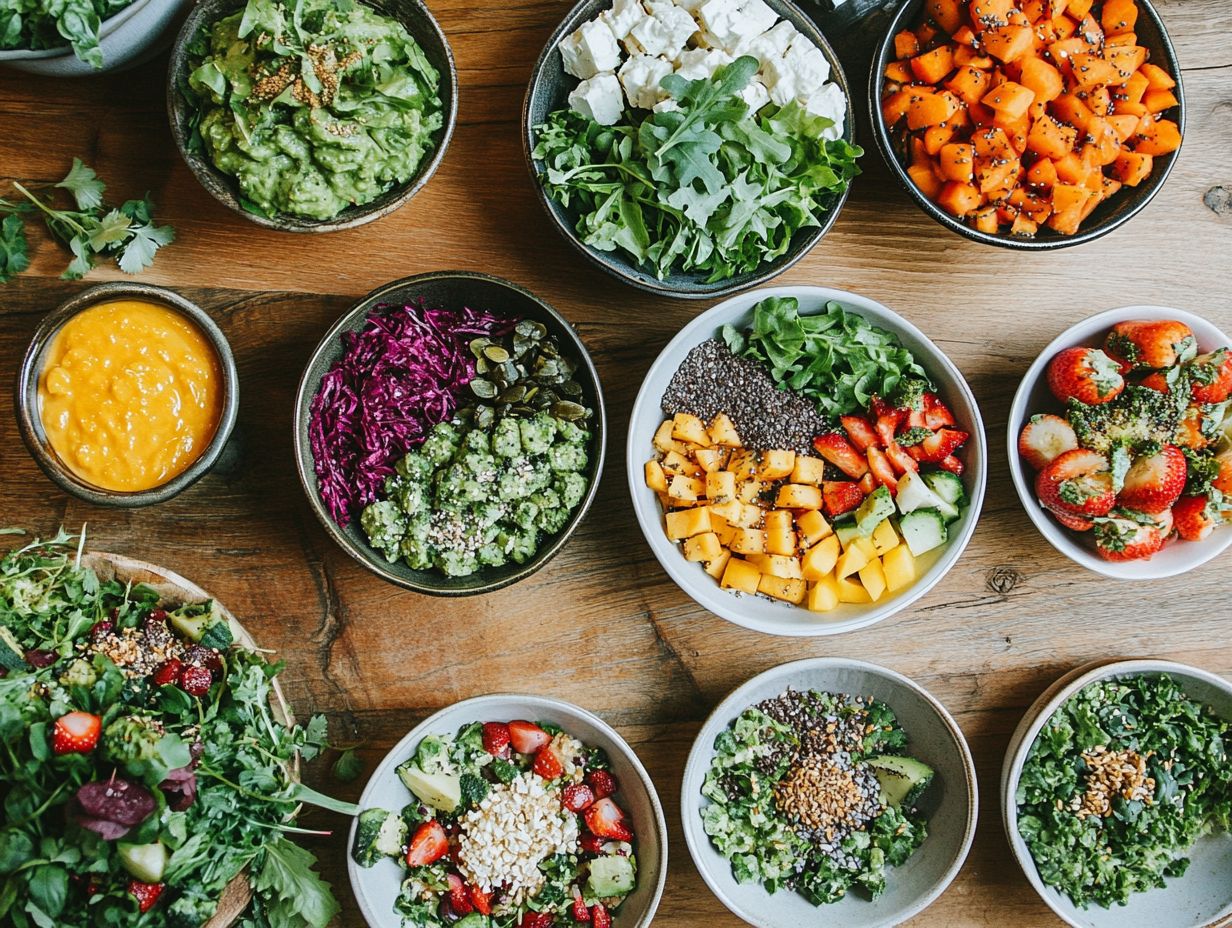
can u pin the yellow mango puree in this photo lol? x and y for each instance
(130, 394)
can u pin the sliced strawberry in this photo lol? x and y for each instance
(859, 431)
(76, 733)
(1157, 381)
(496, 739)
(1077, 482)
(879, 464)
(838, 451)
(940, 445)
(1085, 374)
(1153, 483)
(168, 672)
(1157, 344)
(841, 496)
(1076, 523)
(937, 415)
(602, 782)
(1194, 518)
(527, 737)
(1211, 376)
(428, 845)
(1223, 480)
(459, 896)
(196, 681)
(916, 419)
(577, 797)
(146, 894)
(1045, 438)
(538, 920)
(606, 820)
(591, 844)
(599, 916)
(952, 464)
(547, 764)
(1126, 540)
(887, 425)
(578, 910)
(899, 459)
(480, 900)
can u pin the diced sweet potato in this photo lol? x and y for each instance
(1041, 78)
(948, 14)
(899, 71)
(926, 180)
(957, 162)
(1008, 43)
(1156, 101)
(969, 84)
(1118, 16)
(1132, 168)
(932, 66)
(1070, 109)
(1042, 174)
(935, 137)
(1051, 139)
(1091, 71)
(985, 220)
(928, 109)
(1102, 141)
(1159, 137)
(749, 541)
(1157, 78)
(1009, 98)
(958, 199)
(906, 45)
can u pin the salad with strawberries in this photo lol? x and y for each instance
(1141, 450)
(508, 825)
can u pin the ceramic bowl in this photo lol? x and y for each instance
(755, 612)
(1202, 898)
(414, 15)
(27, 400)
(132, 36)
(951, 802)
(449, 289)
(1033, 397)
(1117, 210)
(377, 887)
(549, 90)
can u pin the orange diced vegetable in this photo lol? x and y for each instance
(1102, 141)
(895, 106)
(957, 162)
(958, 199)
(1159, 138)
(928, 109)
(1156, 101)
(900, 71)
(968, 83)
(965, 36)
(931, 67)
(1042, 79)
(1009, 98)
(1157, 78)
(985, 220)
(906, 45)
(1132, 168)
(947, 13)
(924, 178)
(1051, 139)
(969, 57)
(1042, 174)
(1070, 109)
(935, 138)
(1119, 16)
(1124, 125)
(1008, 43)
(1091, 71)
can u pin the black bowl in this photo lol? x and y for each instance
(549, 90)
(1117, 210)
(449, 289)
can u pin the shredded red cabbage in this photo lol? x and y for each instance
(400, 375)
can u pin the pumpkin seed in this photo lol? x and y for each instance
(496, 354)
(569, 411)
(484, 389)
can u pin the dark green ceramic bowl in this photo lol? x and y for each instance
(549, 90)
(450, 290)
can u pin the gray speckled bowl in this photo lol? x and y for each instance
(26, 399)
(449, 289)
(549, 90)
(951, 801)
(1202, 898)
(414, 15)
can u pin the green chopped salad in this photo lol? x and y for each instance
(1119, 784)
(40, 24)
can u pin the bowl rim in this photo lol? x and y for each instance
(647, 282)
(705, 326)
(885, 145)
(567, 708)
(25, 397)
(307, 390)
(106, 28)
(1208, 549)
(701, 751)
(224, 192)
(1027, 731)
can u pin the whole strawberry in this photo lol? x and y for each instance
(1085, 374)
(1156, 344)
(1078, 483)
(76, 733)
(1154, 482)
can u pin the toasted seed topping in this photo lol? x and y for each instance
(1111, 774)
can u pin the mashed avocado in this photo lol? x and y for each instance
(313, 105)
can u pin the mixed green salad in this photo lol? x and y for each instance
(810, 792)
(1119, 784)
(507, 824)
(144, 766)
(39, 24)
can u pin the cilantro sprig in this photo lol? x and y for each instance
(92, 231)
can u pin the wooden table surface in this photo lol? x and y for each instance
(602, 625)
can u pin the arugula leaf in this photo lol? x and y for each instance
(83, 183)
(293, 891)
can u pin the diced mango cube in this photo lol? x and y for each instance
(724, 529)
(781, 541)
(779, 519)
(703, 547)
(751, 516)
(655, 478)
(663, 441)
(872, 577)
(750, 491)
(850, 591)
(812, 527)
(716, 567)
(884, 537)
(899, 565)
(723, 432)
(798, 496)
(729, 510)
(851, 560)
(743, 464)
(786, 589)
(685, 523)
(865, 545)
(808, 470)
(740, 575)
(749, 541)
(823, 595)
(820, 559)
(689, 428)
(720, 486)
(775, 465)
(710, 459)
(778, 565)
(676, 463)
(683, 487)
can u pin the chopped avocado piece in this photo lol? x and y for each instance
(610, 876)
(11, 655)
(1138, 416)
(923, 530)
(845, 532)
(441, 791)
(378, 834)
(193, 622)
(877, 506)
(146, 862)
(902, 779)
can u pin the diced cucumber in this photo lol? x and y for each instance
(948, 486)
(611, 876)
(845, 532)
(923, 530)
(901, 779)
(877, 506)
(379, 834)
(147, 862)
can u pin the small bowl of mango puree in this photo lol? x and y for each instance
(127, 394)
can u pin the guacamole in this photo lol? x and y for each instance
(313, 105)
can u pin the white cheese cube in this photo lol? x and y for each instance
(771, 43)
(666, 106)
(809, 65)
(779, 79)
(830, 102)
(756, 17)
(691, 5)
(623, 16)
(719, 18)
(666, 31)
(599, 98)
(755, 95)
(696, 64)
(640, 76)
(589, 50)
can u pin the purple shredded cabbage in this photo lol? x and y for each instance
(398, 377)
(112, 808)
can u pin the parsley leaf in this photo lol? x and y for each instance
(14, 256)
(348, 766)
(84, 185)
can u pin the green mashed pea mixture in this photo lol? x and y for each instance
(312, 105)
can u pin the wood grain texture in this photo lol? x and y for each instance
(603, 625)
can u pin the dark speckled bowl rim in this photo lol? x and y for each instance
(309, 385)
(692, 287)
(1090, 231)
(26, 395)
(222, 186)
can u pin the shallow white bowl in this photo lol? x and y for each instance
(951, 801)
(756, 612)
(1202, 898)
(1034, 397)
(377, 887)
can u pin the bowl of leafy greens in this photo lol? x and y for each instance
(694, 150)
(1117, 796)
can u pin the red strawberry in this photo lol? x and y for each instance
(1223, 481)
(591, 844)
(1193, 518)
(1078, 482)
(205, 657)
(577, 797)
(1211, 375)
(168, 672)
(459, 896)
(916, 419)
(1156, 344)
(496, 739)
(940, 445)
(1077, 523)
(146, 894)
(101, 629)
(859, 431)
(606, 820)
(547, 764)
(196, 681)
(76, 733)
(838, 451)
(480, 900)
(867, 485)
(1084, 374)
(1127, 540)
(841, 496)
(1156, 481)
(1157, 381)
(879, 464)
(157, 616)
(599, 916)
(887, 426)
(428, 845)
(899, 459)
(527, 737)
(578, 910)
(936, 414)
(1044, 438)
(602, 782)
(1191, 432)
(952, 464)
(538, 920)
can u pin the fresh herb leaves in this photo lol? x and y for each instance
(39, 24)
(707, 188)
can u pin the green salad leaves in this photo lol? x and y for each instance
(39, 24)
(707, 188)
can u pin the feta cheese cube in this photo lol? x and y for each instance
(719, 19)
(779, 79)
(666, 106)
(808, 63)
(589, 50)
(623, 16)
(756, 17)
(755, 95)
(691, 5)
(771, 43)
(599, 98)
(666, 31)
(640, 76)
(830, 102)
(696, 64)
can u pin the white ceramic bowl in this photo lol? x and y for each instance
(377, 887)
(1202, 898)
(951, 801)
(1034, 397)
(756, 612)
